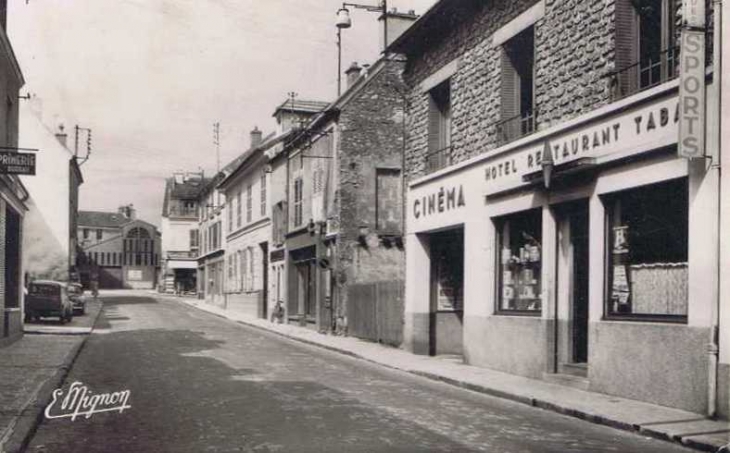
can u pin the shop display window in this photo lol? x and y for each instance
(647, 252)
(520, 262)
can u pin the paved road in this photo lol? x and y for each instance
(201, 383)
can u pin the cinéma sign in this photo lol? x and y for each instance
(15, 163)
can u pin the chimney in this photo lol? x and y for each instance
(256, 137)
(128, 211)
(352, 73)
(61, 135)
(397, 22)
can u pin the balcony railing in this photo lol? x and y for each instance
(183, 212)
(644, 74)
(519, 126)
(436, 160)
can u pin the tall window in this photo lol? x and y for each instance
(244, 269)
(646, 44)
(138, 240)
(278, 222)
(263, 194)
(230, 215)
(439, 126)
(520, 262)
(99, 234)
(648, 251)
(193, 239)
(249, 203)
(238, 209)
(298, 192)
(517, 89)
(86, 233)
(388, 207)
(251, 267)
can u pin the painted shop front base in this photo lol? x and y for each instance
(603, 277)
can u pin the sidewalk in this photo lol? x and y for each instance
(690, 429)
(30, 369)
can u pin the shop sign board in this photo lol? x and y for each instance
(633, 131)
(692, 94)
(134, 275)
(15, 163)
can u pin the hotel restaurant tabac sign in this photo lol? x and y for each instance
(450, 199)
(15, 163)
(631, 132)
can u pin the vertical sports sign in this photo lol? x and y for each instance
(692, 81)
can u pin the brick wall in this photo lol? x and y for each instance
(568, 72)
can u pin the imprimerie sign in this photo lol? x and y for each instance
(692, 81)
(15, 163)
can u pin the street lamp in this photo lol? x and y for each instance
(344, 21)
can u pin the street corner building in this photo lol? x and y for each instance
(556, 228)
(179, 229)
(49, 237)
(13, 195)
(117, 250)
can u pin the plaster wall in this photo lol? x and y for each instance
(660, 363)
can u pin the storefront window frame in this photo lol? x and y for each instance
(497, 223)
(608, 315)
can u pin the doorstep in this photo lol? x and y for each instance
(690, 429)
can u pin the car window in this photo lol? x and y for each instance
(44, 290)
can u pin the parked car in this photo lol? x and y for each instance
(78, 300)
(48, 298)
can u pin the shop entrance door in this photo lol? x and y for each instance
(572, 309)
(447, 292)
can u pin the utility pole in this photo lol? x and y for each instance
(217, 143)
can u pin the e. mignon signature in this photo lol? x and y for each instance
(79, 400)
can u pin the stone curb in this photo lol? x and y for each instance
(687, 441)
(25, 425)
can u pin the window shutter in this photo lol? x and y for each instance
(510, 97)
(627, 46)
(434, 125)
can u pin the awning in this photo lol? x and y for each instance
(182, 264)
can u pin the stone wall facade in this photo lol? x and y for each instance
(371, 132)
(574, 51)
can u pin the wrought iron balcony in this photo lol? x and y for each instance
(436, 160)
(518, 126)
(644, 74)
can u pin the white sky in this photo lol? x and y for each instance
(150, 77)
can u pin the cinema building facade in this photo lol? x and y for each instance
(553, 230)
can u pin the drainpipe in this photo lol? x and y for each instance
(713, 346)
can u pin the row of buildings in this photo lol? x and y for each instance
(533, 185)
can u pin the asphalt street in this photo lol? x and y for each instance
(201, 383)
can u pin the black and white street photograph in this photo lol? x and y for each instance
(318, 226)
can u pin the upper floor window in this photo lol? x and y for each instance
(263, 195)
(517, 92)
(99, 234)
(646, 45)
(230, 215)
(298, 193)
(249, 203)
(193, 239)
(439, 126)
(388, 194)
(86, 233)
(238, 209)
(279, 222)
